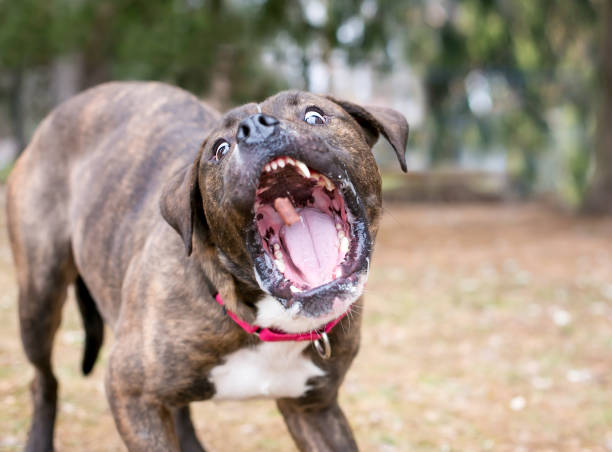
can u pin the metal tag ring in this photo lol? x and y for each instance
(322, 346)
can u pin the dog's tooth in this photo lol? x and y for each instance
(274, 165)
(328, 184)
(338, 226)
(290, 161)
(278, 255)
(301, 166)
(344, 245)
(267, 168)
(295, 289)
(280, 265)
(281, 163)
(340, 234)
(338, 273)
(276, 246)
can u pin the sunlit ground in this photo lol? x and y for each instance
(486, 328)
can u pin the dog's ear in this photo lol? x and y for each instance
(380, 120)
(181, 201)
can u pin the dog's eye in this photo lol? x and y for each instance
(314, 117)
(221, 148)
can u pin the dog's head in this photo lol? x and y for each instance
(289, 195)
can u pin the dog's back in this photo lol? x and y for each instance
(91, 166)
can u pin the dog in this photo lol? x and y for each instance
(227, 253)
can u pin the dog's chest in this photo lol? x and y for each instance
(267, 370)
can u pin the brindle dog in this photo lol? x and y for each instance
(97, 199)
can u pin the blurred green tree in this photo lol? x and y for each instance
(496, 73)
(32, 34)
(539, 52)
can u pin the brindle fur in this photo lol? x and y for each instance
(97, 197)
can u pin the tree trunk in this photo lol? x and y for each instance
(599, 196)
(95, 67)
(15, 105)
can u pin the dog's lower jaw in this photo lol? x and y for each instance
(272, 314)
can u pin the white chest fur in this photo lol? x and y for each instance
(267, 370)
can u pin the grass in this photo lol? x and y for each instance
(487, 327)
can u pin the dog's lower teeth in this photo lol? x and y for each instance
(340, 234)
(280, 265)
(338, 273)
(295, 289)
(344, 245)
(278, 255)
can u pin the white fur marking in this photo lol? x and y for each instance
(267, 370)
(271, 314)
(258, 108)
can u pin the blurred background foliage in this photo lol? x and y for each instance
(513, 88)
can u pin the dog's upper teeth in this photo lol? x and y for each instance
(281, 163)
(274, 165)
(268, 168)
(301, 166)
(328, 184)
(290, 161)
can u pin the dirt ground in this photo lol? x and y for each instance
(487, 327)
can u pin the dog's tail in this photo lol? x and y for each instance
(93, 323)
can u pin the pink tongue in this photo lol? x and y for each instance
(313, 246)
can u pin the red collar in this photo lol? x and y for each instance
(269, 335)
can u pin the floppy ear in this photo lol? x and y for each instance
(380, 120)
(181, 201)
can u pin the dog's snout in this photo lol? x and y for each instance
(256, 128)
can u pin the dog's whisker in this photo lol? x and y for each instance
(388, 212)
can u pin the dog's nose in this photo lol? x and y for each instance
(256, 128)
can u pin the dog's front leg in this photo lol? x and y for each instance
(144, 424)
(184, 429)
(319, 428)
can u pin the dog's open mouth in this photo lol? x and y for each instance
(310, 240)
(302, 221)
